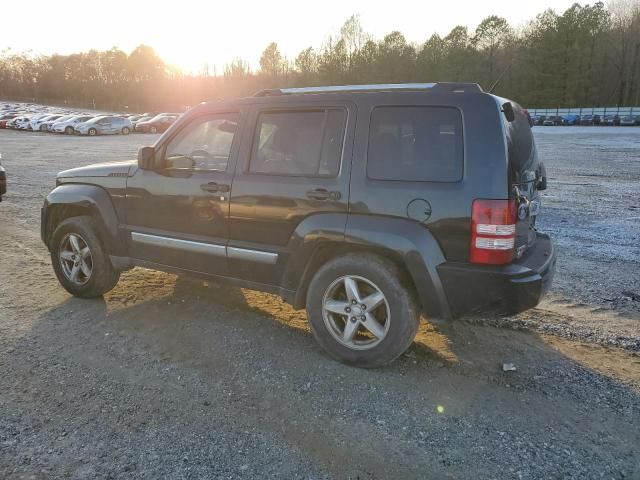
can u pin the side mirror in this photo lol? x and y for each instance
(541, 177)
(146, 158)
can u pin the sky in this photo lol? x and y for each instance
(192, 33)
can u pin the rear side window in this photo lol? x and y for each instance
(422, 144)
(299, 143)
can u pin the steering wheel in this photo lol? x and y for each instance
(201, 157)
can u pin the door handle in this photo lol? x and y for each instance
(213, 187)
(323, 194)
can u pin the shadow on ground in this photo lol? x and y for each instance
(165, 358)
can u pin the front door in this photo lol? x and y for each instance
(177, 214)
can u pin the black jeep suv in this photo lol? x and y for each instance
(368, 205)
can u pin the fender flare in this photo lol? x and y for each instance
(417, 248)
(406, 241)
(90, 197)
(310, 235)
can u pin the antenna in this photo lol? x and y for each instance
(495, 84)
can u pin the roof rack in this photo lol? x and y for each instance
(381, 87)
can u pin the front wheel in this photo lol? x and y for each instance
(362, 310)
(125, 131)
(93, 132)
(79, 260)
(43, 128)
(153, 129)
(68, 130)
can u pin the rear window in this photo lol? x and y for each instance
(423, 144)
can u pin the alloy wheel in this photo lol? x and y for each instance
(356, 312)
(75, 259)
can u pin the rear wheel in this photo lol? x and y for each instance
(68, 130)
(79, 260)
(153, 129)
(361, 310)
(125, 131)
(43, 128)
(93, 132)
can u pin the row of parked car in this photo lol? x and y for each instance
(607, 120)
(37, 118)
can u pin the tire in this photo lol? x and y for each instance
(93, 132)
(126, 131)
(397, 317)
(153, 129)
(68, 130)
(43, 128)
(102, 276)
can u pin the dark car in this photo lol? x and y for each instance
(610, 120)
(3, 181)
(159, 123)
(426, 205)
(586, 120)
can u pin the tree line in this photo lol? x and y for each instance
(585, 56)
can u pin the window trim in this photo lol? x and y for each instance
(206, 116)
(308, 108)
(451, 107)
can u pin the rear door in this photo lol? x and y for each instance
(295, 164)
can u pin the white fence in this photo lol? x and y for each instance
(621, 111)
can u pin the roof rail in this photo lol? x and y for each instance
(454, 87)
(344, 88)
(457, 87)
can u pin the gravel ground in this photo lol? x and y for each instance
(170, 377)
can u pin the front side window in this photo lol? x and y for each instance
(299, 143)
(422, 144)
(205, 144)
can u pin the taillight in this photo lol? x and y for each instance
(493, 231)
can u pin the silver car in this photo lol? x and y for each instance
(105, 125)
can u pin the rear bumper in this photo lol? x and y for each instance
(510, 289)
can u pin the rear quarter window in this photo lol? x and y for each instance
(414, 143)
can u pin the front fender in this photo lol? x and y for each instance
(89, 198)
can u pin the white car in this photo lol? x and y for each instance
(40, 123)
(67, 126)
(21, 123)
(46, 126)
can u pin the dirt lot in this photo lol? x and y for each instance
(169, 377)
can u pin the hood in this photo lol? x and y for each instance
(108, 169)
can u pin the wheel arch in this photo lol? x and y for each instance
(408, 244)
(67, 201)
